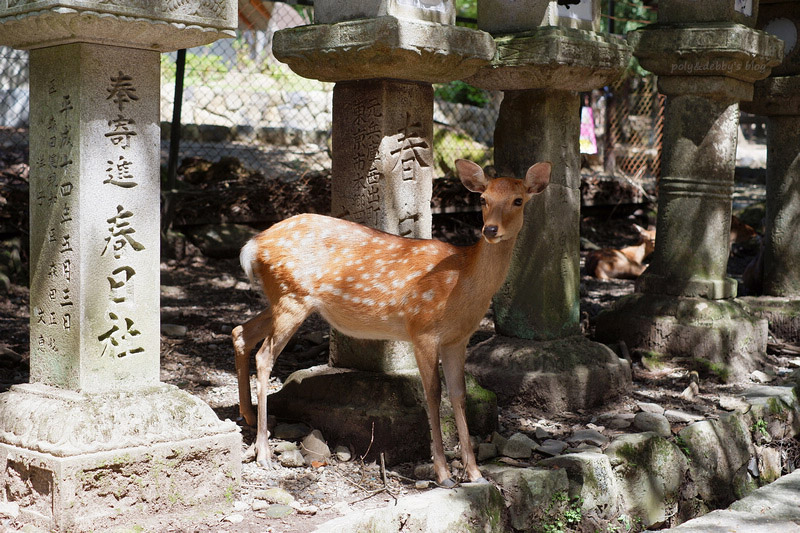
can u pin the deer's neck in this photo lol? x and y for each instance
(634, 253)
(488, 265)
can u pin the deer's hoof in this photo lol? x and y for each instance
(448, 483)
(481, 481)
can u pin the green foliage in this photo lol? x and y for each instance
(760, 426)
(467, 8)
(460, 92)
(199, 68)
(683, 447)
(562, 514)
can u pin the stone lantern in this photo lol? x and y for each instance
(95, 420)
(546, 54)
(707, 57)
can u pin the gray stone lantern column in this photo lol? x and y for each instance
(707, 58)
(546, 55)
(383, 56)
(778, 98)
(95, 420)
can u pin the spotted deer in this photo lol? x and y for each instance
(374, 285)
(625, 263)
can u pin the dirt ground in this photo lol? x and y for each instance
(211, 296)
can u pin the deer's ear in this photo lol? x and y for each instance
(471, 175)
(538, 177)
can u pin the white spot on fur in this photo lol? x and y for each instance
(428, 295)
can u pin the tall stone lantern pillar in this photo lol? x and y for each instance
(778, 98)
(546, 54)
(383, 56)
(707, 57)
(95, 420)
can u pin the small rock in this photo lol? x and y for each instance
(342, 453)
(518, 446)
(486, 450)
(584, 448)
(542, 433)
(795, 363)
(656, 423)
(551, 447)
(239, 506)
(304, 509)
(424, 471)
(422, 484)
(733, 403)
(174, 330)
(648, 407)
(260, 505)
(284, 446)
(278, 511)
(588, 435)
(681, 417)
(498, 440)
(234, 518)
(274, 495)
(9, 509)
(760, 377)
(314, 448)
(292, 459)
(291, 431)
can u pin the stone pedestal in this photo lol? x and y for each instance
(382, 176)
(684, 297)
(541, 70)
(95, 421)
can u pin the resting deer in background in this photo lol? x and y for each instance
(373, 285)
(625, 263)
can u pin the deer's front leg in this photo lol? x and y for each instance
(453, 358)
(264, 362)
(428, 364)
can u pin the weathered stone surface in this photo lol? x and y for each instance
(291, 431)
(465, 508)
(486, 450)
(775, 96)
(565, 374)
(554, 58)
(95, 139)
(541, 302)
(518, 446)
(651, 472)
(274, 495)
(292, 459)
(782, 19)
(156, 448)
(528, 492)
(592, 436)
(688, 12)
(656, 423)
(590, 478)
(717, 49)
(509, 16)
(720, 334)
(162, 26)
(383, 47)
(329, 11)
(717, 449)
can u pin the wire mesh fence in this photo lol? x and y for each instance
(14, 107)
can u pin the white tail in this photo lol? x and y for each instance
(374, 285)
(625, 263)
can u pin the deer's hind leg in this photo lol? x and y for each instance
(245, 337)
(287, 316)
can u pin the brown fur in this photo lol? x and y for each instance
(625, 263)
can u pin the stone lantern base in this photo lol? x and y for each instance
(80, 462)
(719, 334)
(377, 412)
(564, 374)
(782, 313)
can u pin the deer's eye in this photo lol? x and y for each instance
(483, 201)
(517, 201)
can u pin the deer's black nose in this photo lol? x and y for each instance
(490, 231)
